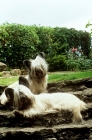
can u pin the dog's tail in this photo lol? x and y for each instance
(77, 117)
(83, 105)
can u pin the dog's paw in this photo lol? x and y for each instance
(11, 115)
(18, 113)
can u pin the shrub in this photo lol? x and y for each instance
(85, 64)
(57, 63)
(72, 65)
(79, 64)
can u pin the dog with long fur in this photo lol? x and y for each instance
(37, 76)
(29, 104)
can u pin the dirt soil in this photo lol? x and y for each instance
(52, 126)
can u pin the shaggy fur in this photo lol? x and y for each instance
(29, 104)
(37, 76)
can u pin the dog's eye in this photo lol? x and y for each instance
(22, 96)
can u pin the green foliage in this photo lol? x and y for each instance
(57, 63)
(85, 41)
(89, 24)
(72, 65)
(59, 40)
(45, 39)
(79, 64)
(19, 42)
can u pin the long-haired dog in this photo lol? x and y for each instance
(29, 104)
(37, 76)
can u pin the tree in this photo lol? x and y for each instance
(18, 42)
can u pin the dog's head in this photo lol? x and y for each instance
(37, 67)
(21, 96)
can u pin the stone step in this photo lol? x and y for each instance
(71, 85)
(47, 119)
(58, 132)
(85, 95)
(52, 126)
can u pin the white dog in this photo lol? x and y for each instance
(29, 104)
(37, 76)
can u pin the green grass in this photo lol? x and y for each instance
(53, 77)
(8, 81)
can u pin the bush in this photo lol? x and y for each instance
(57, 63)
(85, 64)
(79, 64)
(72, 65)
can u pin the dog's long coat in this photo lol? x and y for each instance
(30, 104)
(37, 76)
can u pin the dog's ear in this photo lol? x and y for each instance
(23, 81)
(42, 54)
(27, 63)
(9, 92)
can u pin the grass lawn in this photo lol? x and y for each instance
(62, 76)
(7, 81)
(53, 77)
